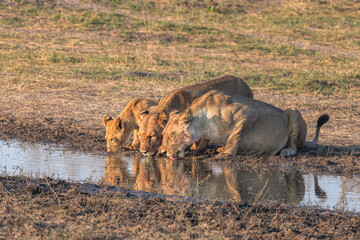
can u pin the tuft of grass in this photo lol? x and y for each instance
(89, 20)
(15, 21)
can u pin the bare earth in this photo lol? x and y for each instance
(47, 208)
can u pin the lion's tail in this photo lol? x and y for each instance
(321, 121)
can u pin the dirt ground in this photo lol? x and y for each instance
(53, 209)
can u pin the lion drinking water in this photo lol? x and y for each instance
(152, 124)
(240, 125)
(118, 130)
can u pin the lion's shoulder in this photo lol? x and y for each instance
(213, 99)
(228, 84)
(177, 99)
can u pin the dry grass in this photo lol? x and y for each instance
(291, 47)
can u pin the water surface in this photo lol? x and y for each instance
(190, 178)
(18, 158)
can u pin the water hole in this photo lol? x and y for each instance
(190, 178)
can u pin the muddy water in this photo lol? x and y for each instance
(39, 160)
(185, 178)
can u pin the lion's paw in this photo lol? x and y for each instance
(130, 147)
(193, 147)
(223, 155)
(287, 152)
(220, 149)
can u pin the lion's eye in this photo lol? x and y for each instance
(112, 140)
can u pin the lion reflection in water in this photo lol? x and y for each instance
(149, 175)
(208, 180)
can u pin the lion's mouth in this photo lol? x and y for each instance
(173, 157)
(151, 154)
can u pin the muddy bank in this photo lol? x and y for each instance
(75, 121)
(67, 132)
(48, 208)
(76, 135)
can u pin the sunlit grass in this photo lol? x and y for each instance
(47, 42)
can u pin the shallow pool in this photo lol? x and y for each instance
(183, 177)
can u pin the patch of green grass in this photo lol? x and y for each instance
(302, 80)
(15, 21)
(97, 74)
(187, 28)
(57, 57)
(113, 3)
(93, 20)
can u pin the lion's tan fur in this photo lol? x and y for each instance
(118, 130)
(244, 124)
(152, 125)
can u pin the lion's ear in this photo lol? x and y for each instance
(118, 123)
(173, 112)
(186, 117)
(107, 120)
(163, 118)
(142, 114)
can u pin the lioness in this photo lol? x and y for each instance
(152, 125)
(118, 130)
(244, 125)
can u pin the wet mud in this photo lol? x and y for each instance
(48, 208)
(66, 132)
(89, 137)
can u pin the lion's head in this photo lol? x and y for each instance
(150, 132)
(177, 134)
(117, 133)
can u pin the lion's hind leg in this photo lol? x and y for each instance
(244, 118)
(297, 132)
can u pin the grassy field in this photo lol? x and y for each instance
(292, 47)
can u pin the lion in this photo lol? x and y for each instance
(240, 125)
(118, 130)
(152, 124)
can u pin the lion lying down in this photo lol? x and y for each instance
(152, 124)
(241, 125)
(118, 130)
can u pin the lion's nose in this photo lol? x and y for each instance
(144, 151)
(162, 149)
